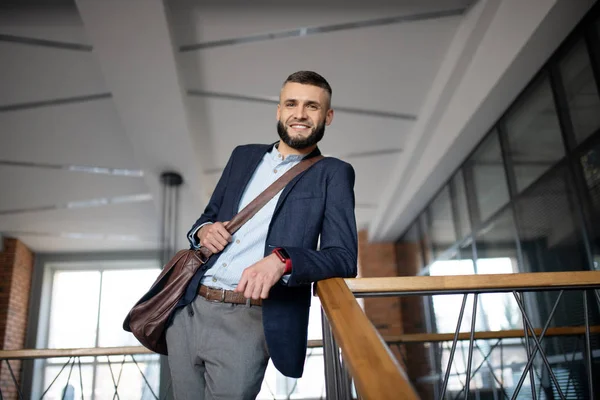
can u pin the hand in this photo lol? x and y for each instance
(260, 277)
(214, 236)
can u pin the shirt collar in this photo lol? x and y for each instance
(276, 156)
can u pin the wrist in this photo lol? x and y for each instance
(284, 260)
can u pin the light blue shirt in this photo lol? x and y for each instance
(248, 243)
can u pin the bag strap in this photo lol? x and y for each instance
(259, 202)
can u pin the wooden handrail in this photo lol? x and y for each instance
(474, 283)
(82, 352)
(26, 354)
(376, 373)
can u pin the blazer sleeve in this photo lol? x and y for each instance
(337, 256)
(212, 208)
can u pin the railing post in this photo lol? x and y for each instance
(346, 381)
(338, 385)
(331, 359)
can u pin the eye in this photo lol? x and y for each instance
(313, 107)
(289, 104)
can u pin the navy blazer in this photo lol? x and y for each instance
(318, 202)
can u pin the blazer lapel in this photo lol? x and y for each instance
(248, 170)
(293, 182)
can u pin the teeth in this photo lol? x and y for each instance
(299, 126)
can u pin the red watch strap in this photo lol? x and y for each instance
(288, 266)
(287, 261)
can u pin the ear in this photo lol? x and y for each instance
(278, 112)
(329, 117)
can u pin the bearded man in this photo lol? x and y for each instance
(251, 301)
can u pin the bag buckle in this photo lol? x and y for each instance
(202, 258)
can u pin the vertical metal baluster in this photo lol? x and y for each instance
(572, 361)
(539, 347)
(346, 381)
(144, 377)
(68, 380)
(12, 374)
(532, 367)
(471, 339)
(489, 365)
(460, 318)
(546, 326)
(530, 356)
(339, 371)
(112, 375)
(588, 345)
(80, 376)
(56, 377)
(502, 365)
(116, 395)
(331, 388)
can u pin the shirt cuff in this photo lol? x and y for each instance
(194, 241)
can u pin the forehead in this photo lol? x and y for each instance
(298, 91)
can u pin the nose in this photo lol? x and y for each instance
(300, 113)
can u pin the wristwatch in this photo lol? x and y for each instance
(285, 258)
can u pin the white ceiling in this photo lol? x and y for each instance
(119, 99)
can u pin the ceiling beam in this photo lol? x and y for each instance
(29, 41)
(275, 101)
(316, 30)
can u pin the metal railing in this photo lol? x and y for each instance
(359, 363)
(345, 328)
(72, 366)
(362, 358)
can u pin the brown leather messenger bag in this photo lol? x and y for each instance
(147, 320)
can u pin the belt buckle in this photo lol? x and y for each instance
(219, 300)
(210, 295)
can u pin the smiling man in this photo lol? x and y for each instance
(252, 300)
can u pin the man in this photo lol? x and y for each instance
(251, 301)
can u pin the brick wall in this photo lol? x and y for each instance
(413, 309)
(379, 260)
(397, 315)
(16, 268)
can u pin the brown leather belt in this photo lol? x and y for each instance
(226, 296)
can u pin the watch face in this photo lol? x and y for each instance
(284, 254)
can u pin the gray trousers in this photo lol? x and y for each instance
(217, 351)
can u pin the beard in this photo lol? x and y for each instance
(301, 143)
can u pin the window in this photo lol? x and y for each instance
(459, 198)
(590, 165)
(486, 178)
(87, 305)
(496, 246)
(551, 240)
(441, 229)
(533, 133)
(581, 91)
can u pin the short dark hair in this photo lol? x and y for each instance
(309, 78)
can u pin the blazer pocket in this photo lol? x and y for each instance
(304, 195)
